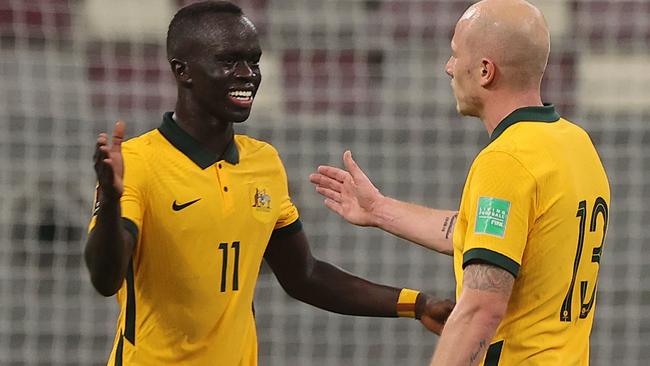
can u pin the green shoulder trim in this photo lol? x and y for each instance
(546, 113)
(491, 257)
(288, 230)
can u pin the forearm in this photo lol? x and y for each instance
(425, 226)
(332, 289)
(471, 326)
(466, 337)
(108, 249)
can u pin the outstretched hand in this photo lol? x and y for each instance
(109, 165)
(348, 192)
(435, 314)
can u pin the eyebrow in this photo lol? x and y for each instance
(239, 53)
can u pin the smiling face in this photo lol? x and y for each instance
(222, 63)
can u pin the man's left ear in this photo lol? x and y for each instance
(488, 72)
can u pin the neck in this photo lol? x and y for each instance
(212, 133)
(501, 105)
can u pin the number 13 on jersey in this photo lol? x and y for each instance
(599, 209)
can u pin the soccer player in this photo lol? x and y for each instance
(529, 235)
(185, 213)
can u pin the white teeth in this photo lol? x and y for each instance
(241, 94)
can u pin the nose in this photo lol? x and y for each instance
(449, 67)
(244, 70)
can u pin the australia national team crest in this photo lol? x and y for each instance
(261, 200)
(262, 203)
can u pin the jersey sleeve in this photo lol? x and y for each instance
(133, 197)
(500, 209)
(288, 222)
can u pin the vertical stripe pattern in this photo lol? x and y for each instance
(129, 331)
(119, 351)
(493, 354)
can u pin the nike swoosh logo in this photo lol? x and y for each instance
(177, 207)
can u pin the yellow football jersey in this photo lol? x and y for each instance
(535, 203)
(202, 225)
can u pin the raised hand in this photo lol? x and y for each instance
(435, 314)
(348, 192)
(109, 165)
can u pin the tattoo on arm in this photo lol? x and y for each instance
(486, 277)
(474, 356)
(449, 225)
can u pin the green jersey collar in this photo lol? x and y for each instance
(546, 113)
(192, 148)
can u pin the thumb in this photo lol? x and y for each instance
(352, 167)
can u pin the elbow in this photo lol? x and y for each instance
(105, 279)
(301, 284)
(487, 315)
(105, 286)
(294, 288)
(491, 315)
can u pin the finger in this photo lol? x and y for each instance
(431, 325)
(316, 178)
(100, 154)
(334, 173)
(102, 138)
(326, 182)
(118, 136)
(101, 141)
(334, 206)
(353, 167)
(328, 193)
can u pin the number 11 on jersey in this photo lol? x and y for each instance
(224, 266)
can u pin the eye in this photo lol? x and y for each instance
(224, 62)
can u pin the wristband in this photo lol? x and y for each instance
(406, 303)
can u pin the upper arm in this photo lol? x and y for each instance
(487, 288)
(134, 198)
(290, 258)
(499, 209)
(288, 211)
(447, 230)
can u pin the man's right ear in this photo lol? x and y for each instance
(181, 71)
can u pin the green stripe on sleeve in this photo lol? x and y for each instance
(132, 228)
(491, 257)
(288, 230)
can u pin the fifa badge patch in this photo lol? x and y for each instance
(492, 216)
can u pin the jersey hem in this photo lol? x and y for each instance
(491, 257)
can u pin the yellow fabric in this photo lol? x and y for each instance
(543, 170)
(183, 316)
(407, 297)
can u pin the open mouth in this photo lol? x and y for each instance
(243, 98)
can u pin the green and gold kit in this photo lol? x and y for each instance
(202, 224)
(535, 203)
